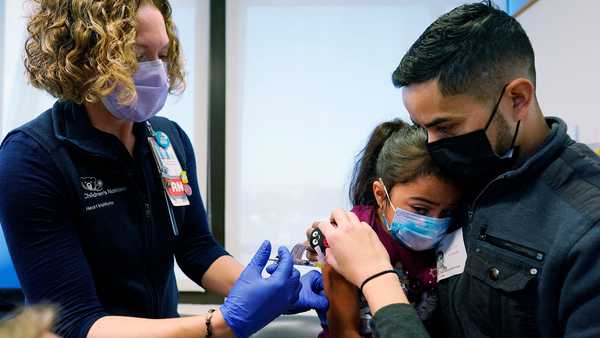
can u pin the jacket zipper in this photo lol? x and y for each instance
(148, 223)
(470, 214)
(144, 205)
(473, 207)
(510, 246)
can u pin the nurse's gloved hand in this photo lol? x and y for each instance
(311, 296)
(254, 301)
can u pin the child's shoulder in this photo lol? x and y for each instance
(365, 213)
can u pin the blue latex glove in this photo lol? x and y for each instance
(254, 301)
(312, 295)
(323, 318)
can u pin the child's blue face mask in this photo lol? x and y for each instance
(415, 231)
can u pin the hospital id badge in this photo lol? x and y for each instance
(451, 255)
(170, 172)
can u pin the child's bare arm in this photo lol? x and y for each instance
(343, 315)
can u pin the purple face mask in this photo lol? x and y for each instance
(152, 86)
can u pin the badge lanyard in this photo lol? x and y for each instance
(174, 179)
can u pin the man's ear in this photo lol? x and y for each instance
(379, 193)
(521, 93)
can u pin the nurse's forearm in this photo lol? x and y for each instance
(221, 275)
(383, 291)
(131, 327)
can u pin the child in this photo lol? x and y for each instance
(402, 194)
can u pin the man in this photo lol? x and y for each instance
(532, 226)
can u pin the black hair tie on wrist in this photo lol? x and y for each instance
(378, 275)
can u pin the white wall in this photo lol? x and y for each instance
(20, 101)
(565, 37)
(307, 81)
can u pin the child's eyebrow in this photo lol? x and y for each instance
(422, 199)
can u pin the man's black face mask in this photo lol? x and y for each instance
(470, 158)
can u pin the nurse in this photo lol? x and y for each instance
(99, 195)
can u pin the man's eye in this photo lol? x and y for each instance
(443, 130)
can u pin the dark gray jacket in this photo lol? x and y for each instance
(533, 251)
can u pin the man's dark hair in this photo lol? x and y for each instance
(474, 49)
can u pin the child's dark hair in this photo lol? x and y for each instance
(397, 153)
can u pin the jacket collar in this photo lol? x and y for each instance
(71, 124)
(553, 146)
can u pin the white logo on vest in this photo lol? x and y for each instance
(94, 188)
(92, 184)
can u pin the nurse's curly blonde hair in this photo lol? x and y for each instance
(80, 50)
(30, 322)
